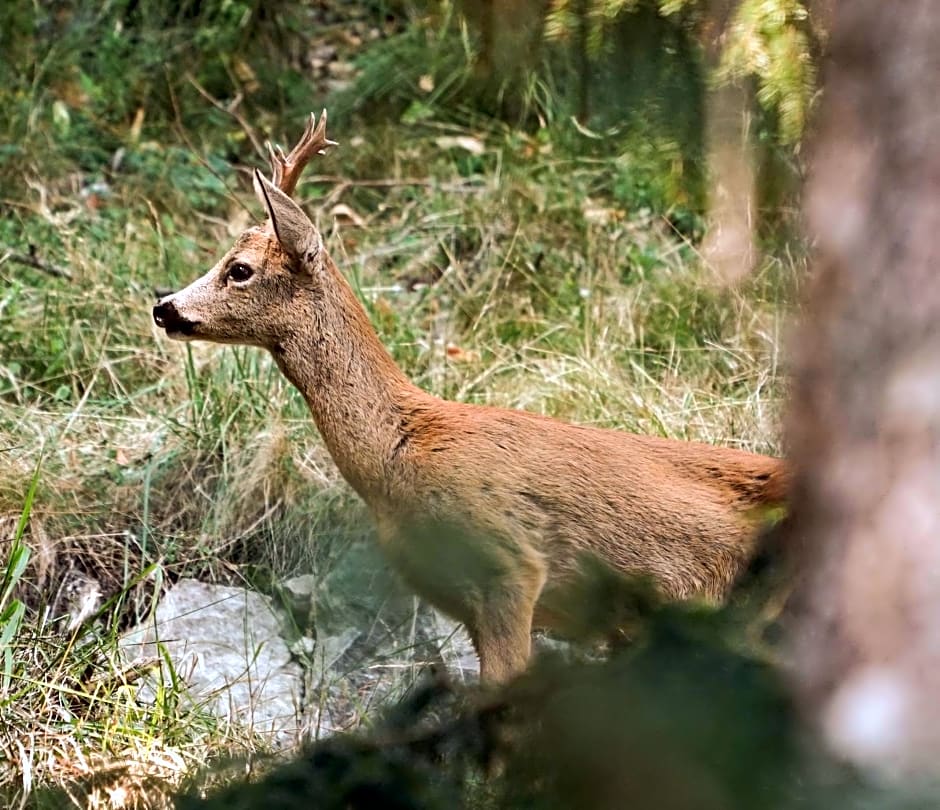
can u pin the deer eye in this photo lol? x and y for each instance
(239, 272)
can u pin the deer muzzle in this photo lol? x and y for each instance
(167, 316)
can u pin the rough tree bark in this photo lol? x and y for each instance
(864, 424)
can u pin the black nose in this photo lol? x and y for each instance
(165, 314)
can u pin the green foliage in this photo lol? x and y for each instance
(634, 72)
(767, 40)
(12, 610)
(594, 19)
(413, 74)
(81, 81)
(770, 41)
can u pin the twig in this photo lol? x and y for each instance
(181, 131)
(232, 110)
(343, 184)
(378, 183)
(469, 184)
(32, 260)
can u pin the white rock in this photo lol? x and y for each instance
(225, 644)
(301, 587)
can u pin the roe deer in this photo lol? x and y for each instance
(506, 502)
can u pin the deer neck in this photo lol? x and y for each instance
(353, 388)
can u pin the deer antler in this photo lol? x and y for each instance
(286, 169)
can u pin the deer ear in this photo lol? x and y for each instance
(292, 227)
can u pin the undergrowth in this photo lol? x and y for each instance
(527, 270)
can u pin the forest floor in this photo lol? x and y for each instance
(499, 266)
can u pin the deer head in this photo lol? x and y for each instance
(251, 296)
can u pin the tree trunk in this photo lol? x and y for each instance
(864, 425)
(511, 33)
(729, 241)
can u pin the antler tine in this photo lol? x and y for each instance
(286, 169)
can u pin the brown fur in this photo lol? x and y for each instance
(486, 512)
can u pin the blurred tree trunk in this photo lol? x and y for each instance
(511, 34)
(864, 425)
(729, 243)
